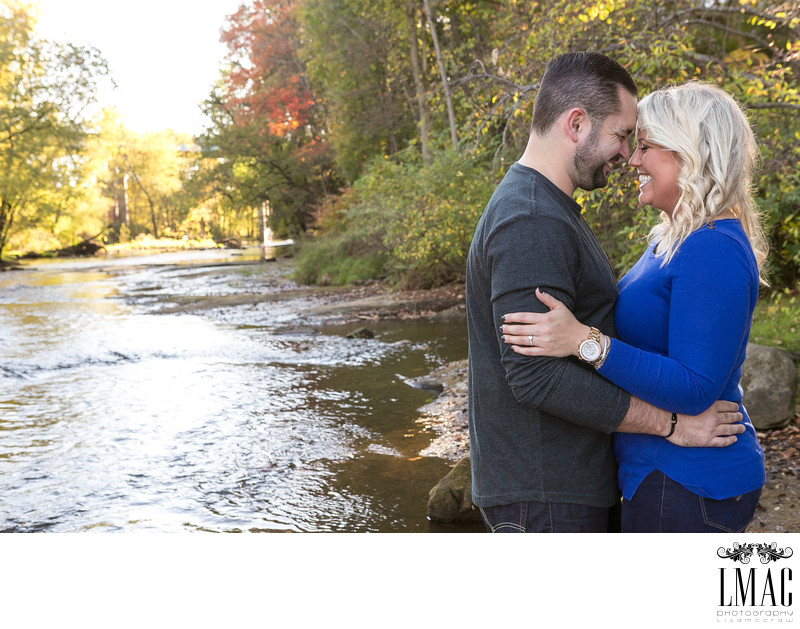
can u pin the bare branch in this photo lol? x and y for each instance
(733, 31)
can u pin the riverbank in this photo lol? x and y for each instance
(207, 391)
(446, 416)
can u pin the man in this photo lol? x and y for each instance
(540, 428)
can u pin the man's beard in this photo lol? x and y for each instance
(589, 164)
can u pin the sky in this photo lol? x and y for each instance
(164, 55)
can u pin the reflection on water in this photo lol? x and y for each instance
(116, 418)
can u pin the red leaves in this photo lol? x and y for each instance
(268, 78)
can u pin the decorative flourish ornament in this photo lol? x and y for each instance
(765, 552)
(740, 552)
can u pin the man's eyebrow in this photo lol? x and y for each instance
(625, 132)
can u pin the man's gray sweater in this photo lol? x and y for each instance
(540, 428)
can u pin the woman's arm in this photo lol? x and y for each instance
(709, 316)
(556, 333)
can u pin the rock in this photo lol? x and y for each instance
(451, 499)
(426, 383)
(769, 381)
(362, 333)
(296, 329)
(454, 313)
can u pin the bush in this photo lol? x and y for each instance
(338, 260)
(401, 221)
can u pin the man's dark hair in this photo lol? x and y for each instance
(588, 80)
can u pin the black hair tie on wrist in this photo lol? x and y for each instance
(672, 426)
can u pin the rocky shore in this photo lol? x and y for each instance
(446, 416)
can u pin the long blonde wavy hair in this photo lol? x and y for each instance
(717, 151)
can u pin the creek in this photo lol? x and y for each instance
(120, 412)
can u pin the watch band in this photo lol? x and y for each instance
(592, 344)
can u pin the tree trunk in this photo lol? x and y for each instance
(424, 118)
(124, 219)
(6, 220)
(153, 216)
(149, 202)
(147, 196)
(443, 72)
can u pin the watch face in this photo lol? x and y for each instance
(590, 350)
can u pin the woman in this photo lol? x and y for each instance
(683, 315)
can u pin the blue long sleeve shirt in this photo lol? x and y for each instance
(682, 332)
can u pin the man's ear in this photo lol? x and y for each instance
(577, 124)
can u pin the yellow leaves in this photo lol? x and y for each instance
(600, 11)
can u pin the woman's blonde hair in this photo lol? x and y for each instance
(717, 151)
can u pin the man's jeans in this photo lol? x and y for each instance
(548, 517)
(660, 505)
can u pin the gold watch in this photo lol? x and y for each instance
(591, 350)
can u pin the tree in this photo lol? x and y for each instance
(356, 53)
(45, 89)
(496, 51)
(423, 111)
(265, 141)
(451, 116)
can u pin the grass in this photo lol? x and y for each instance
(147, 242)
(775, 323)
(139, 244)
(776, 320)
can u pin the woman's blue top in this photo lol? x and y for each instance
(682, 332)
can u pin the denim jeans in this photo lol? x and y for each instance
(660, 505)
(548, 517)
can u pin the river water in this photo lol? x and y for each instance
(120, 412)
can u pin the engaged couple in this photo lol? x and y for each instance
(582, 389)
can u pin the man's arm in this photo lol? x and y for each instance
(560, 386)
(716, 427)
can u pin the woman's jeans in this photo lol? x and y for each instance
(660, 505)
(549, 517)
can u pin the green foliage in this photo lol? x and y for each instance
(44, 90)
(497, 52)
(749, 49)
(779, 199)
(346, 244)
(439, 207)
(776, 320)
(319, 94)
(413, 223)
(339, 260)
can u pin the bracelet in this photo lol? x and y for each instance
(672, 426)
(604, 355)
